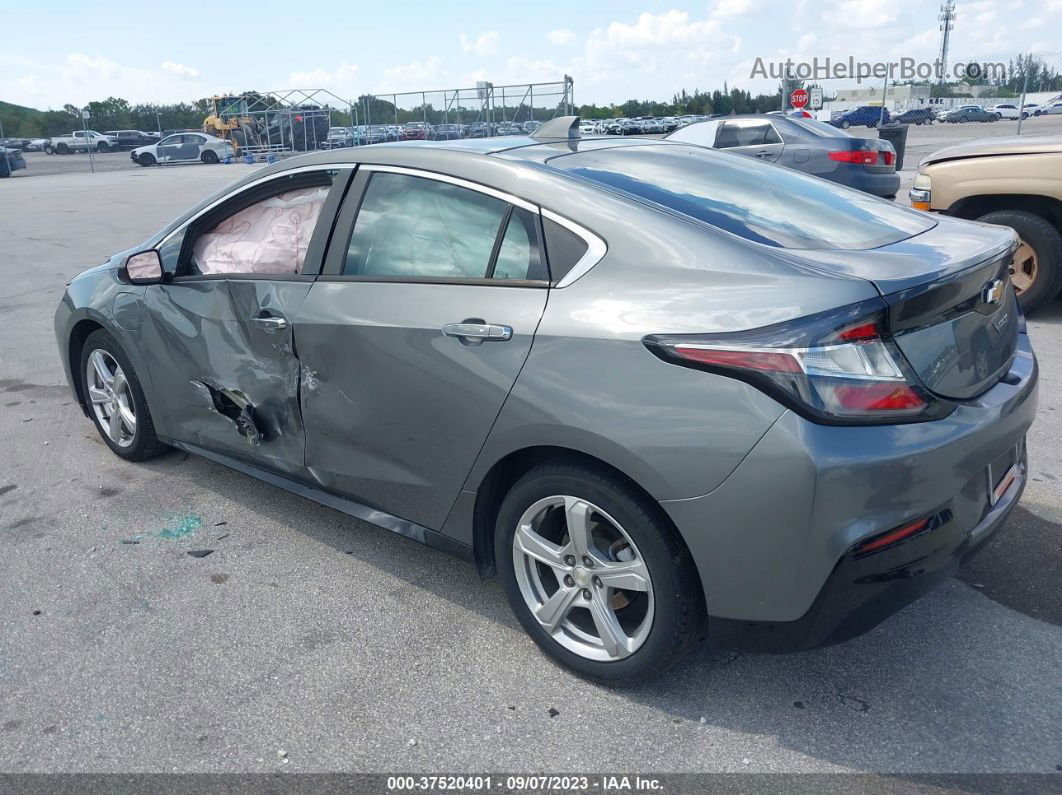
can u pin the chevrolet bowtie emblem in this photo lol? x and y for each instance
(992, 292)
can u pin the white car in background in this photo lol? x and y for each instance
(1006, 111)
(82, 141)
(187, 147)
(1052, 109)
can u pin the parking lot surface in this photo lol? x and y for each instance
(308, 641)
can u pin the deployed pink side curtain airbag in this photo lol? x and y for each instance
(268, 237)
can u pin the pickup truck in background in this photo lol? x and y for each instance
(82, 141)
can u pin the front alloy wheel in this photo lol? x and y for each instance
(110, 398)
(582, 578)
(114, 398)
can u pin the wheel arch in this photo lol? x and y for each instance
(500, 478)
(75, 345)
(972, 207)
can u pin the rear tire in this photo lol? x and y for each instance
(1046, 244)
(209, 157)
(657, 624)
(62, 149)
(138, 443)
(845, 125)
(102, 146)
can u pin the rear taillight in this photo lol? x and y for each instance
(889, 156)
(838, 367)
(860, 157)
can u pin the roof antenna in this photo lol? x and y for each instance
(562, 128)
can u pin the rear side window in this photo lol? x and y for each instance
(563, 248)
(746, 132)
(415, 227)
(519, 256)
(757, 201)
(411, 226)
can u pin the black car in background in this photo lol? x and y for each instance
(131, 139)
(916, 116)
(376, 134)
(448, 132)
(11, 159)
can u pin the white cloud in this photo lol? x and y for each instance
(485, 44)
(179, 69)
(95, 65)
(342, 75)
(861, 15)
(734, 9)
(561, 36)
(669, 44)
(416, 75)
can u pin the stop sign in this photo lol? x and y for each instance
(799, 98)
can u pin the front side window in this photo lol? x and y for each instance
(269, 236)
(416, 227)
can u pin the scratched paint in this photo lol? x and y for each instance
(181, 526)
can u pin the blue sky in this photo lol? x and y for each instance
(53, 53)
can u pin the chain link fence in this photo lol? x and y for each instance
(966, 100)
(483, 111)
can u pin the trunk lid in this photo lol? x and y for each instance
(951, 306)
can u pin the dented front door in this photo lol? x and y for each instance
(226, 375)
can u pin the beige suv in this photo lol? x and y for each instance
(1015, 182)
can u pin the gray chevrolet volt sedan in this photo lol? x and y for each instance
(658, 389)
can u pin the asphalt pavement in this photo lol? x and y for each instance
(309, 641)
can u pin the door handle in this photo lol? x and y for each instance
(270, 322)
(763, 154)
(478, 331)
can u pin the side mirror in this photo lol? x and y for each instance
(144, 267)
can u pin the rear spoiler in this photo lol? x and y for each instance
(562, 128)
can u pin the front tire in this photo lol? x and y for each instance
(845, 125)
(596, 574)
(103, 147)
(1037, 268)
(115, 399)
(146, 159)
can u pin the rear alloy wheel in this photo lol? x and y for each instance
(62, 149)
(845, 125)
(115, 399)
(146, 159)
(596, 574)
(1037, 267)
(209, 157)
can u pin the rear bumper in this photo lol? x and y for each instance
(887, 184)
(774, 544)
(863, 591)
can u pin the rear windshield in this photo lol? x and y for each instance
(757, 201)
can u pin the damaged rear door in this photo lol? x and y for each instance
(224, 358)
(414, 334)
